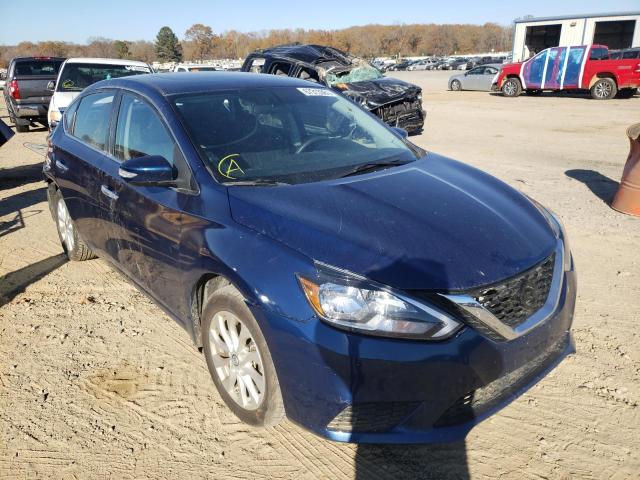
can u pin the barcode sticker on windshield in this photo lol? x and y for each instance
(316, 92)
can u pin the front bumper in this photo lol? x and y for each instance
(356, 388)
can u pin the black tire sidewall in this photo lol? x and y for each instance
(73, 254)
(270, 410)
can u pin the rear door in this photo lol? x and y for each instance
(473, 79)
(79, 160)
(147, 219)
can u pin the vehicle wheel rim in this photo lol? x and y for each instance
(510, 88)
(65, 226)
(603, 90)
(237, 360)
(455, 86)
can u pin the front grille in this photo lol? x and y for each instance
(516, 299)
(405, 113)
(474, 403)
(372, 417)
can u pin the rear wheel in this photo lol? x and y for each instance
(456, 86)
(72, 244)
(511, 87)
(604, 89)
(22, 126)
(239, 360)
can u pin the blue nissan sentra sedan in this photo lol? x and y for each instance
(330, 270)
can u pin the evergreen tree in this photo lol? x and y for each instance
(168, 48)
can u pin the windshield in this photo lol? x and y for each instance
(285, 134)
(356, 74)
(75, 77)
(37, 68)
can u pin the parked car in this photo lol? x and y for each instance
(285, 229)
(396, 102)
(76, 74)
(426, 64)
(478, 78)
(194, 67)
(3, 80)
(400, 66)
(582, 67)
(27, 97)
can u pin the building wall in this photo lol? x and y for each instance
(577, 31)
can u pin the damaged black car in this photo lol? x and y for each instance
(397, 103)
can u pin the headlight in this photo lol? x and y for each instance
(347, 301)
(54, 116)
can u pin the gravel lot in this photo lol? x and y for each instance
(96, 382)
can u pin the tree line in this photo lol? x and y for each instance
(201, 43)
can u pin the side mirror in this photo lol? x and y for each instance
(51, 86)
(148, 170)
(401, 132)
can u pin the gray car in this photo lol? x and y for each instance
(478, 78)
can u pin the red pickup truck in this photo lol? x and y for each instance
(583, 67)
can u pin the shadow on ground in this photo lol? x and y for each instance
(14, 283)
(601, 186)
(20, 175)
(397, 462)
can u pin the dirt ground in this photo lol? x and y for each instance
(96, 382)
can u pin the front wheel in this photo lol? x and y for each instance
(604, 89)
(456, 86)
(239, 360)
(511, 87)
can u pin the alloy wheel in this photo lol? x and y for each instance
(510, 88)
(455, 85)
(65, 226)
(603, 90)
(237, 361)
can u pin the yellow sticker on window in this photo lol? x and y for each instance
(227, 166)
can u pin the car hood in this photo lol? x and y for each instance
(433, 224)
(382, 91)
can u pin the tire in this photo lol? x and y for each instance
(456, 86)
(72, 244)
(21, 127)
(511, 87)
(254, 397)
(604, 89)
(534, 93)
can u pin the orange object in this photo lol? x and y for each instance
(627, 200)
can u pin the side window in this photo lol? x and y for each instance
(91, 123)
(280, 68)
(599, 54)
(256, 65)
(308, 74)
(477, 71)
(140, 131)
(490, 71)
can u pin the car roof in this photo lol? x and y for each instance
(177, 83)
(307, 53)
(107, 61)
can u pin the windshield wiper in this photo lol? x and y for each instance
(372, 166)
(256, 182)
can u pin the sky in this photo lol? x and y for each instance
(76, 20)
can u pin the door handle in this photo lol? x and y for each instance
(61, 166)
(106, 191)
